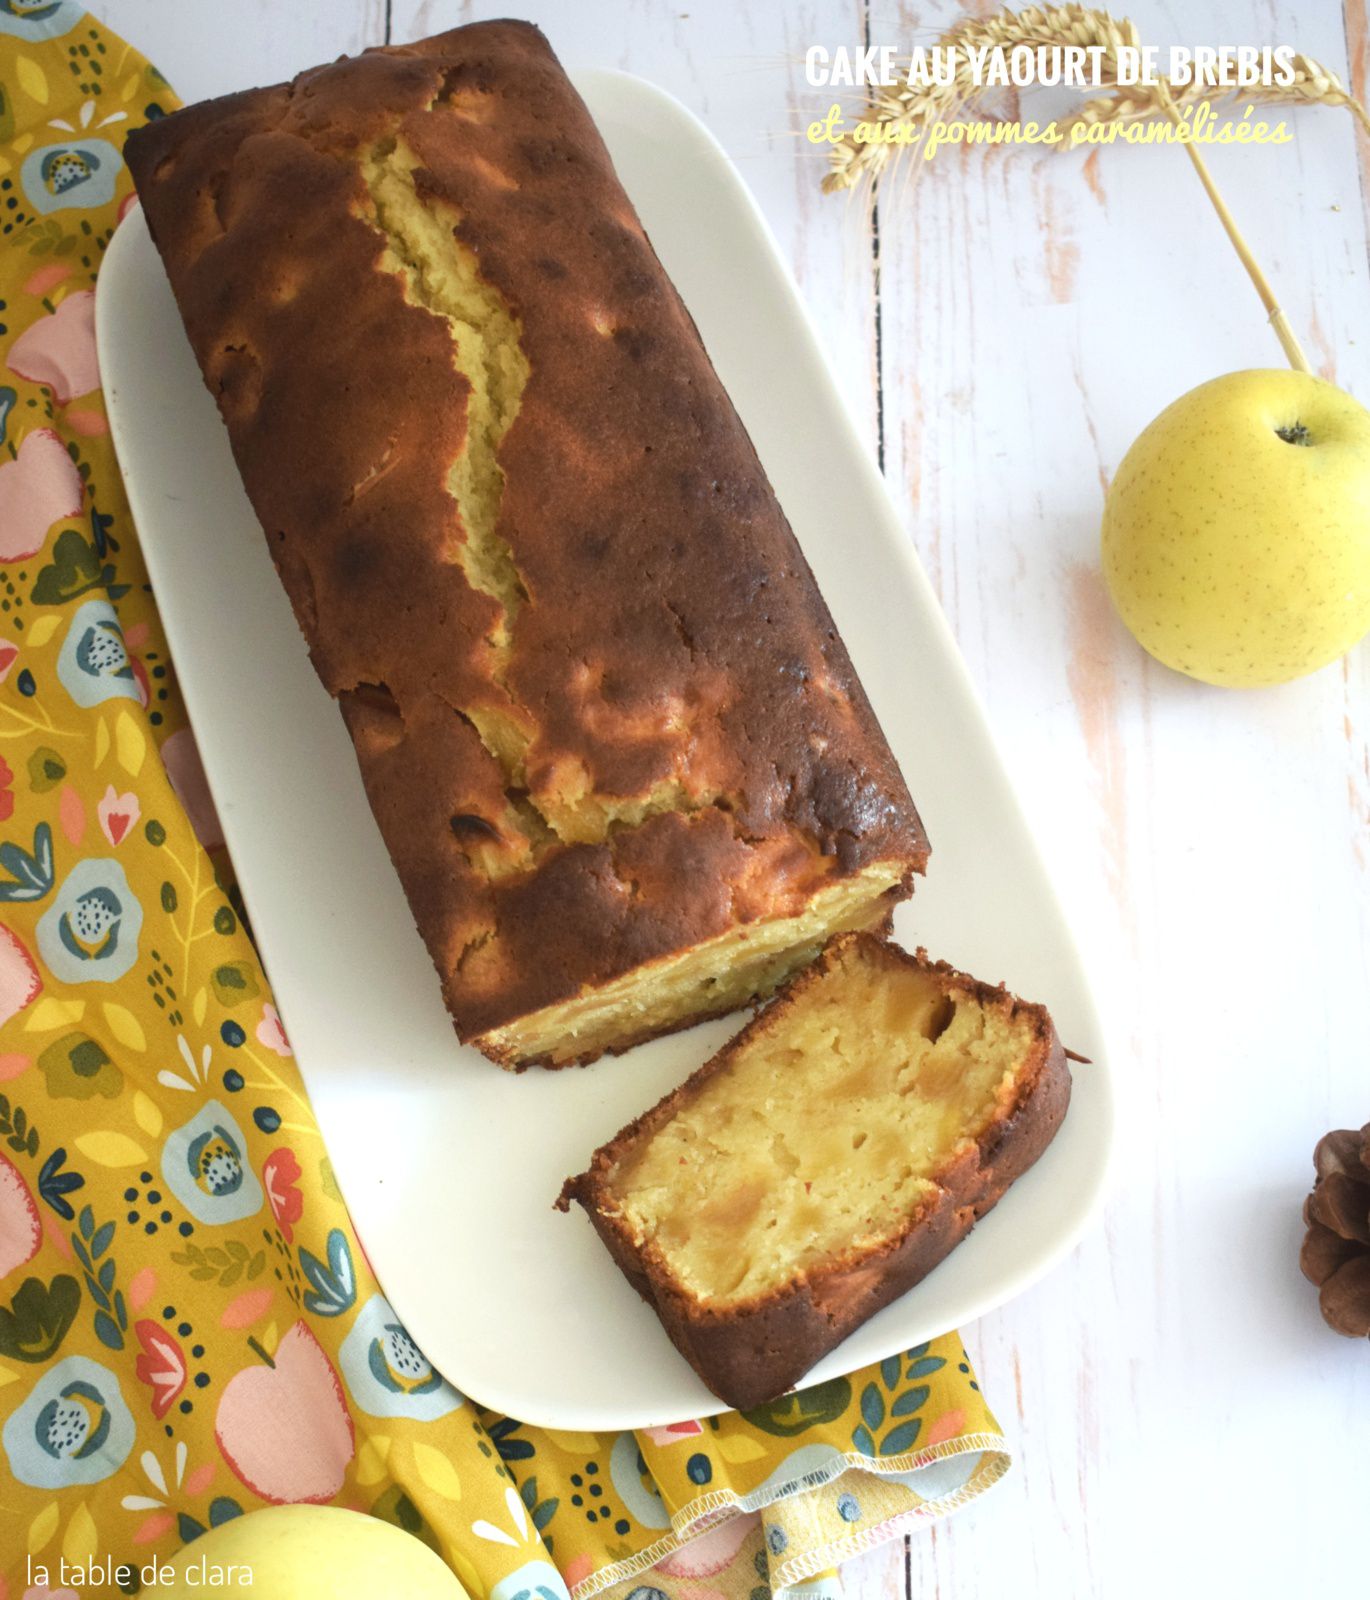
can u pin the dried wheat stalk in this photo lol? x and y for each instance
(911, 107)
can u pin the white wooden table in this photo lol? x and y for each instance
(1183, 1421)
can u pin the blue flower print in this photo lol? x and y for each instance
(73, 1428)
(205, 1168)
(635, 1485)
(90, 932)
(536, 1580)
(39, 19)
(64, 177)
(386, 1372)
(94, 665)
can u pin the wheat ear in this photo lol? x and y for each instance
(910, 107)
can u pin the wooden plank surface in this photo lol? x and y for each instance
(1182, 1420)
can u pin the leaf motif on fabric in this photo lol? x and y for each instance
(31, 78)
(53, 1013)
(437, 1471)
(42, 1528)
(81, 1541)
(147, 1114)
(333, 1286)
(111, 1149)
(30, 871)
(130, 743)
(126, 1029)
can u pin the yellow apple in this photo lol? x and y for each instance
(305, 1553)
(1236, 536)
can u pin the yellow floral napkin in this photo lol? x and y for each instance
(188, 1328)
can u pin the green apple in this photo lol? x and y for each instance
(1236, 536)
(305, 1553)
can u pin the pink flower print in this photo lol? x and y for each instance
(21, 1231)
(88, 422)
(673, 1432)
(947, 1426)
(182, 761)
(59, 350)
(271, 1033)
(285, 1428)
(162, 1365)
(711, 1552)
(47, 277)
(117, 813)
(9, 654)
(279, 1172)
(40, 487)
(6, 791)
(19, 980)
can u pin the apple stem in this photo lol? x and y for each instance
(1278, 320)
(261, 1352)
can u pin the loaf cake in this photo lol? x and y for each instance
(613, 742)
(825, 1160)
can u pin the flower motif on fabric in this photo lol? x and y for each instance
(94, 665)
(387, 1374)
(76, 1067)
(117, 814)
(534, 1580)
(170, 1486)
(848, 1508)
(162, 1365)
(802, 1469)
(796, 1413)
(635, 1485)
(58, 177)
(271, 1033)
(673, 1432)
(38, 1318)
(73, 1427)
(90, 932)
(204, 1167)
(39, 19)
(280, 1171)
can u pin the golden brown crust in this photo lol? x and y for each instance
(751, 1352)
(672, 632)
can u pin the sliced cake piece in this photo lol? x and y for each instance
(825, 1160)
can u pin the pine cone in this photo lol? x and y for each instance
(1336, 1250)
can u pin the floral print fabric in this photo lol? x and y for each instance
(188, 1327)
